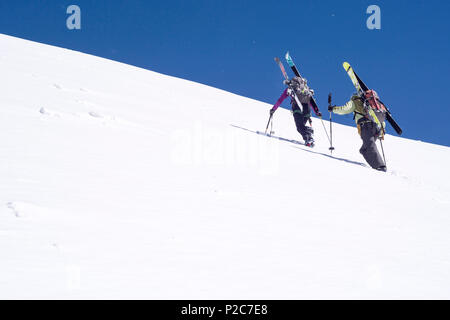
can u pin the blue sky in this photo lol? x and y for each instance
(231, 45)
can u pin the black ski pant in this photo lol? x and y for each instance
(369, 150)
(301, 118)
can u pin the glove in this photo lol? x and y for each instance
(287, 82)
(330, 108)
(312, 91)
(271, 112)
(319, 114)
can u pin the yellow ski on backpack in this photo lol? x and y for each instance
(360, 90)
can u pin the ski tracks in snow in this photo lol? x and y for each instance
(12, 207)
(21, 209)
(90, 115)
(30, 217)
(80, 106)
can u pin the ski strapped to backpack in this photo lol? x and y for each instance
(291, 90)
(361, 93)
(376, 110)
(294, 69)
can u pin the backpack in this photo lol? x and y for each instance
(372, 101)
(300, 86)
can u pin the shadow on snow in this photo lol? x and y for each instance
(300, 143)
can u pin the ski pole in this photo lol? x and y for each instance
(323, 125)
(268, 122)
(325, 129)
(271, 128)
(382, 150)
(331, 126)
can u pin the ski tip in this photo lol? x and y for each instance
(276, 59)
(289, 60)
(346, 66)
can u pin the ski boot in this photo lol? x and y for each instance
(309, 143)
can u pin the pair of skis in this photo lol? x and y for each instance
(297, 74)
(361, 88)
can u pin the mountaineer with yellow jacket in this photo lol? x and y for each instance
(367, 129)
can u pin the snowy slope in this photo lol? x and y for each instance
(118, 182)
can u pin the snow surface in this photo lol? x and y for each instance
(119, 182)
